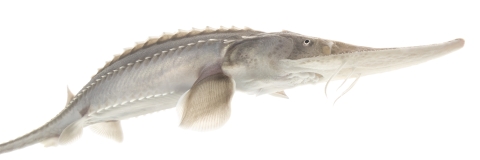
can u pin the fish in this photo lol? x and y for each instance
(198, 72)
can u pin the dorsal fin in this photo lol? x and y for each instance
(69, 95)
(168, 36)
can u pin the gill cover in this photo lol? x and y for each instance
(254, 63)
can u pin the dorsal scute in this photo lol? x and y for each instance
(170, 36)
(194, 32)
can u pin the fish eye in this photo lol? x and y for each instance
(306, 42)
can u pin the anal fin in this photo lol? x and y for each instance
(206, 105)
(110, 129)
(50, 142)
(72, 132)
(280, 94)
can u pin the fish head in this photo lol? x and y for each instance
(272, 62)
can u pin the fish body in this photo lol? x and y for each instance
(199, 71)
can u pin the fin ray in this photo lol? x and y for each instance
(50, 142)
(206, 105)
(72, 132)
(280, 94)
(110, 129)
(69, 95)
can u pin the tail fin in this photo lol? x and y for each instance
(24, 141)
(48, 133)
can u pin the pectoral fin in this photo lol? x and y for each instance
(110, 129)
(206, 105)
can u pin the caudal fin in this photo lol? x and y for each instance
(48, 134)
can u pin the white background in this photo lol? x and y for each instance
(428, 111)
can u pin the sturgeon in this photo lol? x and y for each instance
(198, 72)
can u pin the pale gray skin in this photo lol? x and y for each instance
(206, 67)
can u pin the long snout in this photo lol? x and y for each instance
(383, 60)
(364, 60)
